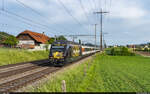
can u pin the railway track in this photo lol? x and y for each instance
(16, 76)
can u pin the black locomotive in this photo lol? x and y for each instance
(64, 51)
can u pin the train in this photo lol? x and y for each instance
(63, 51)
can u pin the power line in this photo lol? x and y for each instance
(100, 4)
(85, 13)
(105, 5)
(66, 9)
(23, 21)
(26, 6)
(29, 20)
(2, 4)
(92, 4)
(29, 7)
(94, 1)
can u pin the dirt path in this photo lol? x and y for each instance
(145, 54)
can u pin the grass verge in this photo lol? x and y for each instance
(103, 74)
(13, 56)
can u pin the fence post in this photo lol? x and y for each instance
(84, 69)
(63, 86)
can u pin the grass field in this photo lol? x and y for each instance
(104, 74)
(12, 56)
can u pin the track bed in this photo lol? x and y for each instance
(14, 77)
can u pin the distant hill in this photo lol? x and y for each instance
(3, 36)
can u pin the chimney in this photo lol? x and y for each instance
(43, 33)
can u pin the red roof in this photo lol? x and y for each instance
(36, 36)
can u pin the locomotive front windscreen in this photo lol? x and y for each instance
(58, 49)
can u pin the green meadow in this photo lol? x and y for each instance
(103, 73)
(13, 56)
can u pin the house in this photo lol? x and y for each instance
(30, 40)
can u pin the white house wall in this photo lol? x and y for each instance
(29, 42)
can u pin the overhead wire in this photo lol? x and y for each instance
(100, 4)
(95, 4)
(69, 13)
(89, 13)
(2, 4)
(85, 13)
(92, 4)
(43, 17)
(93, 7)
(109, 9)
(29, 20)
(29, 24)
(42, 25)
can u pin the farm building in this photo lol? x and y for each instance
(31, 40)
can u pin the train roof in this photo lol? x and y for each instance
(65, 42)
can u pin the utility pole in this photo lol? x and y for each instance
(104, 42)
(73, 38)
(101, 24)
(55, 38)
(95, 35)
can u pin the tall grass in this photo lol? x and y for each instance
(105, 74)
(12, 56)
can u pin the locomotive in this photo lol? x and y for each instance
(62, 52)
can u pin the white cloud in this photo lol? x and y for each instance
(127, 9)
(131, 13)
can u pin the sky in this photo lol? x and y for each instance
(128, 21)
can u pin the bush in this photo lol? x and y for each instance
(146, 50)
(11, 41)
(121, 51)
(139, 49)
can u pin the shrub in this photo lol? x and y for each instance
(146, 49)
(121, 51)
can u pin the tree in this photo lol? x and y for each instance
(11, 41)
(79, 41)
(61, 38)
(51, 40)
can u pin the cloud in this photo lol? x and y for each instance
(127, 16)
(127, 9)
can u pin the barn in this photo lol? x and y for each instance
(30, 40)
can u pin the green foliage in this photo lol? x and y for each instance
(51, 40)
(103, 74)
(61, 38)
(3, 36)
(146, 49)
(11, 41)
(46, 46)
(112, 51)
(138, 49)
(79, 41)
(119, 51)
(13, 56)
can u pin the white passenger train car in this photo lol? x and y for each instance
(88, 50)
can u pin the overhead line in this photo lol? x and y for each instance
(25, 21)
(81, 4)
(66, 9)
(100, 4)
(36, 12)
(2, 4)
(94, 9)
(95, 4)
(29, 20)
(28, 7)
